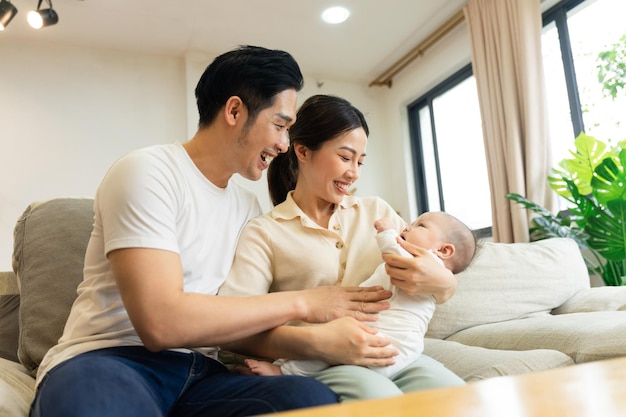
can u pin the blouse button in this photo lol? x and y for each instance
(339, 245)
(337, 227)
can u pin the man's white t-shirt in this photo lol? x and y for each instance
(152, 198)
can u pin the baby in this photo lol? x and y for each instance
(449, 241)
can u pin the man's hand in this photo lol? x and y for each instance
(327, 303)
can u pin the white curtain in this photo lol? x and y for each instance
(507, 63)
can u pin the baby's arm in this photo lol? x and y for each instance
(386, 238)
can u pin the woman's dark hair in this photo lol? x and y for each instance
(319, 119)
(253, 74)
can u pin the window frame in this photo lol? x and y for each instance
(558, 15)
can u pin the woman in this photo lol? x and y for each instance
(318, 234)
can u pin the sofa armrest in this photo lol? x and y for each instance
(8, 283)
(595, 299)
(9, 316)
(17, 389)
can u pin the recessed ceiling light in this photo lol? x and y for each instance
(334, 15)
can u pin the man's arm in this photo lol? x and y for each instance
(150, 282)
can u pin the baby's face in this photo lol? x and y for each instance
(426, 231)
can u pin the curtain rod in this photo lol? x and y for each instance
(386, 77)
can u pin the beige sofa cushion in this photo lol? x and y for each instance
(474, 363)
(595, 299)
(512, 281)
(16, 389)
(9, 320)
(50, 240)
(585, 337)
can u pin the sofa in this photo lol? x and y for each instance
(519, 308)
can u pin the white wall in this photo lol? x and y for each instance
(67, 113)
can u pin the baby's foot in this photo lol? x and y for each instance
(262, 368)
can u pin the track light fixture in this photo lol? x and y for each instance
(42, 17)
(7, 12)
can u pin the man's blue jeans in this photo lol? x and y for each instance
(132, 381)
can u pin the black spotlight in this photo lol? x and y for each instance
(7, 12)
(42, 17)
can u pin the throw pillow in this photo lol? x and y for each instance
(48, 255)
(509, 281)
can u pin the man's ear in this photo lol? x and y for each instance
(234, 110)
(446, 251)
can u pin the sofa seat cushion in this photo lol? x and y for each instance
(17, 389)
(473, 363)
(584, 337)
(512, 281)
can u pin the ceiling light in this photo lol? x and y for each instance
(7, 12)
(42, 17)
(334, 15)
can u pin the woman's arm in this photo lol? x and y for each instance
(421, 274)
(341, 341)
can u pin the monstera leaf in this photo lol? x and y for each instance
(589, 153)
(609, 180)
(606, 231)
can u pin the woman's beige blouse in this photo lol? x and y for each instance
(285, 250)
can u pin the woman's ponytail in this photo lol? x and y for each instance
(282, 175)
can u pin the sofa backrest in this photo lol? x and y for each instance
(50, 240)
(9, 315)
(509, 281)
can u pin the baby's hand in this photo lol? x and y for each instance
(383, 224)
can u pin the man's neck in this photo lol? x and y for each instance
(210, 156)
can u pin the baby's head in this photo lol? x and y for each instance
(448, 237)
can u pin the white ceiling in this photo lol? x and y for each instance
(377, 33)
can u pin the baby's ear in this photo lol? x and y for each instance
(446, 251)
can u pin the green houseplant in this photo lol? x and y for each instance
(593, 182)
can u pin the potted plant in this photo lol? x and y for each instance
(593, 182)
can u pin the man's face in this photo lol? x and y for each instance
(268, 135)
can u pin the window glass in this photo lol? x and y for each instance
(464, 178)
(593, 28)
(429, 160)
(559, 115)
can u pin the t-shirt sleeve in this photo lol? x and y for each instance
(137, 205)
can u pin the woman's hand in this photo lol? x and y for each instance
(326, 303)
(421, 274)
(348, 341)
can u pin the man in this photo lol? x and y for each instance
(167, 219)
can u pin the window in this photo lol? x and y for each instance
(575, 33)
(449, 151)
(446, 134)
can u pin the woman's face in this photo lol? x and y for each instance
(331, 171)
